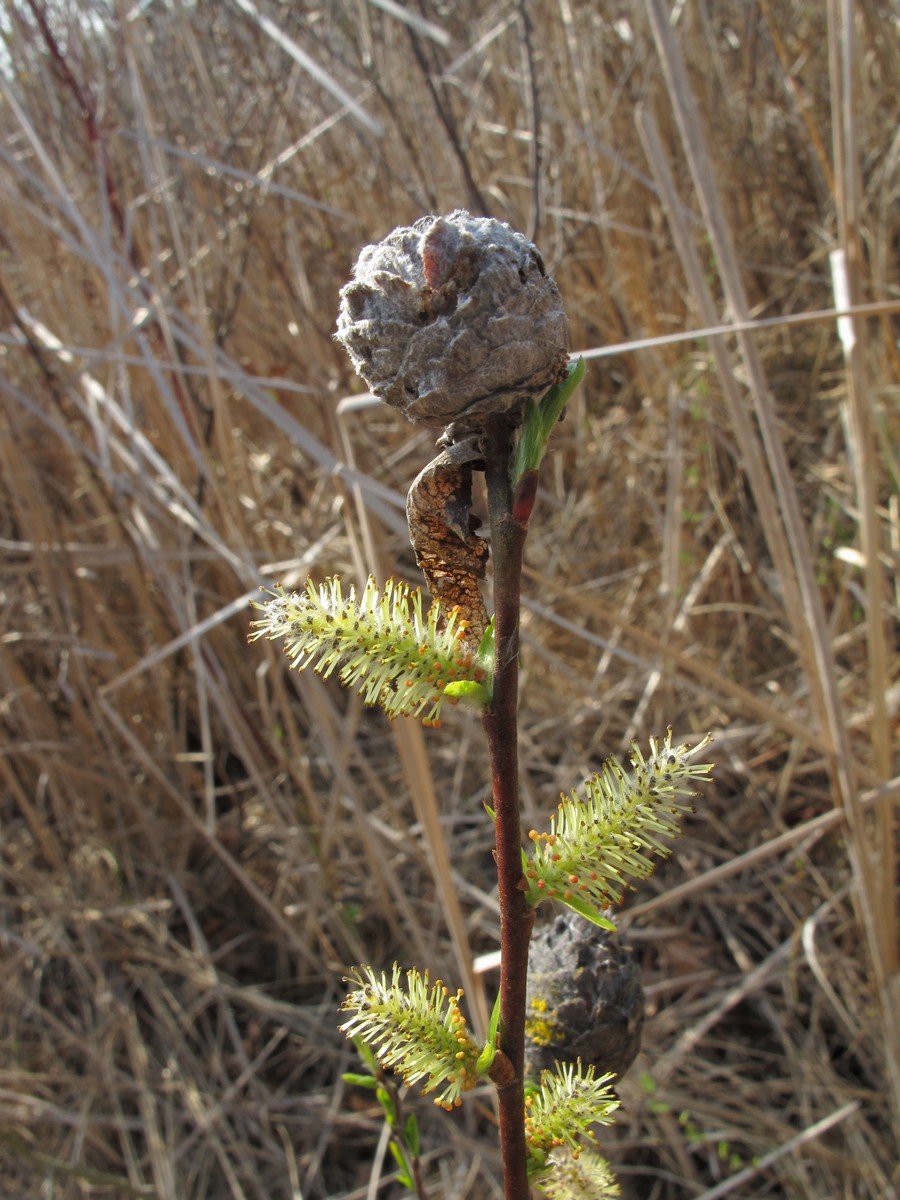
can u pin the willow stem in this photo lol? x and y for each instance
(501, 731)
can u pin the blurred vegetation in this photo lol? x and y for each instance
(197, 844)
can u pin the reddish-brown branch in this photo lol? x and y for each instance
(87, 108)
(501, 731)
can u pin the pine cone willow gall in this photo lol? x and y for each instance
(585, 998)
(454, 319)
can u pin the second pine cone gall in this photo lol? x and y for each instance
(454, 319)
(585, 998)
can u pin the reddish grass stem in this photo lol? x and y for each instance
(501, 732)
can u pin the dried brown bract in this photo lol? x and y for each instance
(454, 319)
(442, 531)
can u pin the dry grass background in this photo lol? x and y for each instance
(197, 844)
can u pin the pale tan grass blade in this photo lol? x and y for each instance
(846, 270)
(806, 834)
(802, 1139)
